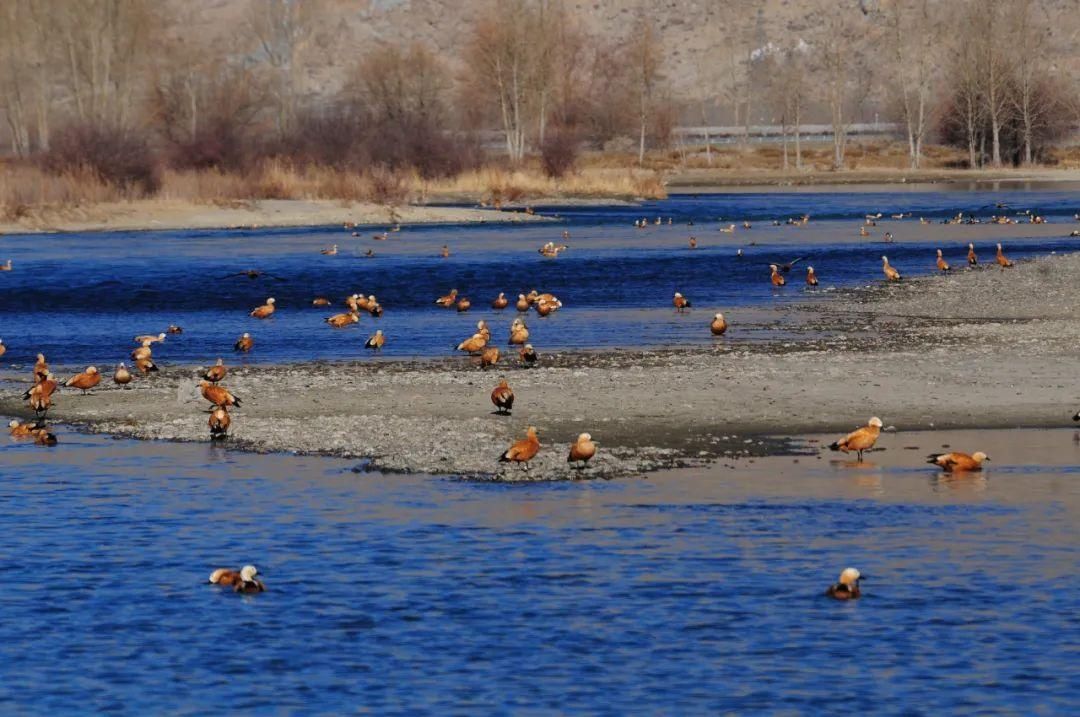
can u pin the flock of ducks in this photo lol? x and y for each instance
(521, 452)
(245, 581)
(478, 345)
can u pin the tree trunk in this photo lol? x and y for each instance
(641, 143)
(995, 129)
(705, 126)
(784, 142)
(798, 136)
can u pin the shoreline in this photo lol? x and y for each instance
(777, 179)
(176, 215)
(980, 349)
(163, 214)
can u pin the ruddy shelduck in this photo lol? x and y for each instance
(581, 451)
(718, 325)
(216, 372)
(339, 321)
(84, 381)
(445, 252)
(483, 330)
(320, 301)
(448, 300)
(972, 259)
(522, 451)
(811, 277)
(503, 398)
(693, 242)
(463, 305)
(44, 437)
(142, 352)
(1001, 260)
(474, 344)
(957, 462)
(680, 302)
(265, 311)
(519, 333)
(374, 307)
(891, 274)
(6, 266)
(41, 368)
(489, 357)
(3, 349)
(942, 265)
(219, 422)
(174, 329)
(122, 377)
(332, 251)
(522, 304)
(846, 586)
(500, 302)
(860, 440)
(241, 581)
(17, 429)
(528, 356)
(776, 277)
(40, 396)
(145, 366)
(375, 341)
(244, 343)
(149, 339)
(218, 395)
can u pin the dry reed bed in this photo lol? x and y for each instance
(27, 192)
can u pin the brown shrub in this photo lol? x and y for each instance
(120, 158)
(558, 153)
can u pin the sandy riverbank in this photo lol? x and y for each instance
(696, 179)
(158, 214)
(981, 348)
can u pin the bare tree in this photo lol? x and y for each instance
(645, 60)
(499, 57)
(106, 47)
(913, 36)
(987, 23)
(834, 46)
(1029, 67)
(787, 80)
(283, 29)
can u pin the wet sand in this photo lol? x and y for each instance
(977, 349)
(158, 214)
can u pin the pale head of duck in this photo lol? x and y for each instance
(850, 577)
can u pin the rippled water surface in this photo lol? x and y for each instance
(682, 593)
(80, 298)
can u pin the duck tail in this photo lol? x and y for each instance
(505, 457)
(834, 446)
(932, 458)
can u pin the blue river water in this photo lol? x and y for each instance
(688, 592)
(684, 593)
(80, 298)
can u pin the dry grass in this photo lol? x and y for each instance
(496, 186)
(26, 191)
(816, 157)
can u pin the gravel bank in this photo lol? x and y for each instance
(977, 349)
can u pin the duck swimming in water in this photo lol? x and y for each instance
(243, 581)
(847, 587)
(958, 462)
